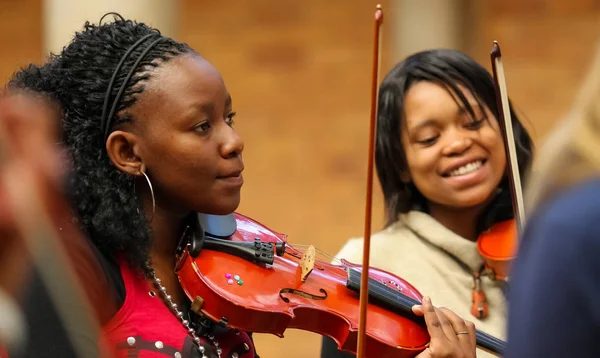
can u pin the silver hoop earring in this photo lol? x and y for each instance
(151, 193)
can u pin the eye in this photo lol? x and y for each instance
(428, 141)
(474, 125)
(229, 120)
(202, 127)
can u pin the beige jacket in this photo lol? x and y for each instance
(420, 262)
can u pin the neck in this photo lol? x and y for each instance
(166, 232)
(167, 229)
(166, 224)
(462, 222)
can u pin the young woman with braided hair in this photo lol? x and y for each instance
(148, 125)
(137, 105)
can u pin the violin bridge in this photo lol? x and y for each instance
(307, 262)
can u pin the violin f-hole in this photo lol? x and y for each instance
(301, 294)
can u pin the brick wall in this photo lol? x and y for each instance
(546, 48)
(20, 35)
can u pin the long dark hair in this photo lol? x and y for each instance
(448, 68)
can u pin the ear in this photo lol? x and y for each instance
(123, 150)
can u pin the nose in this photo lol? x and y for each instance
(232, 145)
(457, 145)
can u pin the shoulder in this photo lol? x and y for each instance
(575, 212)
(560, 238)
(559, 247)
(580, 198)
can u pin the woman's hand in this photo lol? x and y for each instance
(451, 336)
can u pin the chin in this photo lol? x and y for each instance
(471, 200)
(216, 204)
(226, 206)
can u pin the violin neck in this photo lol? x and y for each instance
(394, 301)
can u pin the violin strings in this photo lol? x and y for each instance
(382, 290)
(330, 259)
(324, 254)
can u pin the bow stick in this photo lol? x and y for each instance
(505, 122)
(364, 284)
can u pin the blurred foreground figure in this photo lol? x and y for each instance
(554, 309)
(26, 149)
(42, 301)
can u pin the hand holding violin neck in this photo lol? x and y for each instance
(390, 297)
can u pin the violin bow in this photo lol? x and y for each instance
(364, 284)
(505, 122)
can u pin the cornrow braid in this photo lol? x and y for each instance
(100, 74)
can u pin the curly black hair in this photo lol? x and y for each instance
(448, 68)
(104, 197)
(35, 80)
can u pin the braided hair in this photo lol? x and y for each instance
(100, 74)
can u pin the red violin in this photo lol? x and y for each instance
(498, 246)
(255, 281)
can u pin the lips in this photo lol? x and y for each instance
(232, 179)
(235, 174)
(458, 166)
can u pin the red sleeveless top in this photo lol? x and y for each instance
(144, 327)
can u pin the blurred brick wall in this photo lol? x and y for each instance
(546, 47)
(20, 35)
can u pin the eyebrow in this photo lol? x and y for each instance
(206, 107)
(425, 123)
(432, 122)
(474, 106)
(228, 101)
(209, 107)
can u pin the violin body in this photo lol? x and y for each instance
(498, 246)
(270, 298)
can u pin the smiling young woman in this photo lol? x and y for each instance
(441, 163)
